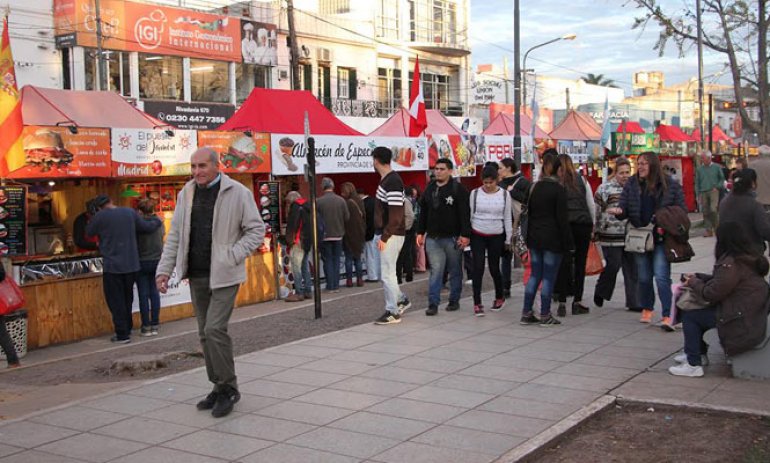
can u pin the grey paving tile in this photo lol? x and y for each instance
(393, 348)
(404, 375)
(92, 447)
(453, 353)
(168, 391)
(635, 352)
(618, 374)
(342, 399)
(348, 443)
(373, 386)
(346, 339)
(196, 378)
(263, 427)
(127, 404)
(306, 350)
(643, 391)
(614, 361)
(6, 450)
(416, 410)
(253, 370)
(413, 452)
(79, 418)
(552, 344)
(446, 396)
(331, 365)
(529, 408)
(188, 415)
(520, 332)
(511, 360)
(475, 384)
(520, 375)
(251, 403)
(434, 365)
(555, 394)
(285, 453)
(274, 389)
(274, 359)
(545, 354)
(382, 425)
(147, 430)
(218, 444)
(368, 357)
(469, 439)
(755, 402)
(577, 382)
(488, 343)
(26, 434)
(306, 377)
(501, 423)
(164, 455)
(665, 378)
(305, 412)
(745, 386)
(33, 456)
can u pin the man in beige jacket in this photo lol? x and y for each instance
(216, 226)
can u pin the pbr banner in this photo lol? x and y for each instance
(344, 154)
(499, 147)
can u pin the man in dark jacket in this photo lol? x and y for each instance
(372, 237)
(299, 238)
(334, 211)
(444, 227)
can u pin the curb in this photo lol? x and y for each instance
(694, 406)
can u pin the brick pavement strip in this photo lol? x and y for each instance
(450, 388)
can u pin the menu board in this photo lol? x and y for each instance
(269, 201)
(55, 152)
(238, 152)
(13, 220)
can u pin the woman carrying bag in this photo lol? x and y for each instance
(355, 234)
(5, 338)
(645, 193)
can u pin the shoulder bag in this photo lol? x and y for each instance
(11, 297)
(520, 232)
(639, 239)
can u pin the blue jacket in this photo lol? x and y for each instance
(631, 199)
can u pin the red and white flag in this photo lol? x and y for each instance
(418, 121)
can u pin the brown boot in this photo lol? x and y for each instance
(294, 298)
(349, 282)
(359, 282)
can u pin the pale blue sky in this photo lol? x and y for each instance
(605, 42)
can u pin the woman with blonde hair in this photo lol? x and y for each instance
(355, 234)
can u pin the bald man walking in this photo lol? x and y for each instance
(216, 226)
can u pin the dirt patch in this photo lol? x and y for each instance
(636, 433)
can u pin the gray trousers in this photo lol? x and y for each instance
(213, 308)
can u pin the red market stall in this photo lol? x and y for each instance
(629, 127)
(579, 135)
(499, 142)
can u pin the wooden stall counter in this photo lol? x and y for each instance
(71, 309)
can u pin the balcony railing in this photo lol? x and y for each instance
(355, 108)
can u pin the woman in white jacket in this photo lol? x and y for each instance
(492, 229)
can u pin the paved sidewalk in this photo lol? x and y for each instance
(450, 388)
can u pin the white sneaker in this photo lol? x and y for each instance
(682, 358)
(685, 369)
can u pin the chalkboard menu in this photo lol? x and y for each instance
(270, 205)
(13, 220)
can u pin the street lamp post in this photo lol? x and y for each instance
(524, 64)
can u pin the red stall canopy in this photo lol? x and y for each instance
(398, 125)
(283, 111)
(629, 127)
(48, 106)
(716, 134)
(503, 124)
(577, 127)
(672, 133)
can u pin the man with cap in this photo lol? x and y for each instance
(216, 226)
(116, 227)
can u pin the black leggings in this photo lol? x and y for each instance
(491, 246)
(572, 274)
(7, 343)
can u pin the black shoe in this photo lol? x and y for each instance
(403, 306)
(598, 301)
(388, 319)
(117, 340)
(432, 310)
(452, 306)
(549, 321)
(409, 278)
(225, 402)
(208, 402)
(530, 319)
(579, 309)
(561, 311)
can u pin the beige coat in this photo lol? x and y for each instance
(237, 232)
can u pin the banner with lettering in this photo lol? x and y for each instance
(55, 152)
(238, 152)
(152, 152)
(340, 154)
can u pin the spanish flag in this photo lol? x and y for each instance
(11, 150)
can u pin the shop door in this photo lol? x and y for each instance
(325, 86)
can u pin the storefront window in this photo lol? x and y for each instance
(160, 77)
(118, 74)
(248, 77)
(435, 89)
(209, 81)
(389, 91)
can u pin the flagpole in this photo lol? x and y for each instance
(516, 86)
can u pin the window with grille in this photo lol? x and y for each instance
(334, 6)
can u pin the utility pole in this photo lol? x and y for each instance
(566, 93)
(711, 123)
(699, 24)
(516, 86)
(505, 78)
(100, 62)
(295, 84)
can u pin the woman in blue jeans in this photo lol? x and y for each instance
(150, 247)
(645, 193)
(548, 238)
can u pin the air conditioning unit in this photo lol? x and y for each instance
(323, 54)
(283, 74)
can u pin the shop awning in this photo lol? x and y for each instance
(672, 133)
(398, 125)
(48, 106)
(717, 135)
(577, 126)
(283, 111)
(503, 124)
(629, 127)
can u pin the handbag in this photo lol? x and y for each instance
(11, 297)
(639, 239)
(520, 232)
(594, 263)
(689, 300)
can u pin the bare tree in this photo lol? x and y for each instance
(735, 28)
